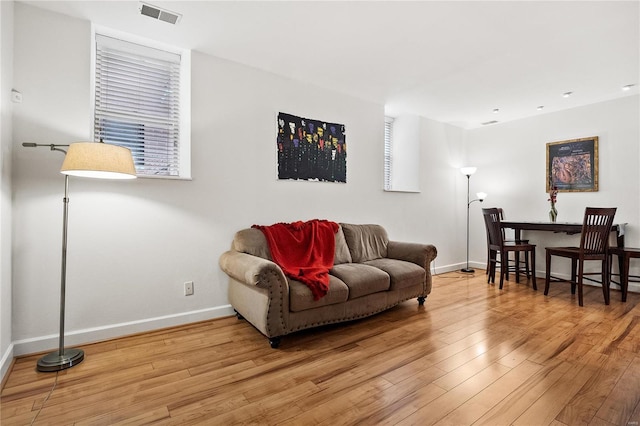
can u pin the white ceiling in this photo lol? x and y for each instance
(452, 61)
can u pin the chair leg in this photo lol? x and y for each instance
(574, 263)
(491, 277)
(488, 262)
(580, 275)
(503, 272)
(495, 266)
(624, 278)
(548, 274)
(505, 262)
(533, 268)
(605, 280)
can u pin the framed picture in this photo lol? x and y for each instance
(572, 165)
(312, 150)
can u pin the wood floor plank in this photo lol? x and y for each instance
(473, 354)
(621, 403)
(556, 397)
(440, 407)
(478, 405)
(583, 406)
(483, 359)
(506, 411)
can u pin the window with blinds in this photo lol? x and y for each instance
(138, 103)
(388, 145)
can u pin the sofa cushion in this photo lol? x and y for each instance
(301, 298)
(251, 241)
(366, 242)
(403, 274)
(342, 249)
(361, 279)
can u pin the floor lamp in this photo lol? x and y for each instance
(468, 171)
(85, 159)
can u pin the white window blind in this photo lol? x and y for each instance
(137, 103)
(388, 145)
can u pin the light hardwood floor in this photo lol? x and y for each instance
(472, 355)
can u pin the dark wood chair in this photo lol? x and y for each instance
(625, 254)
(499, 247)
(513, 265)
(594, 245)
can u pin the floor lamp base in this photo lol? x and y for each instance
(467, 270)
(56, 362)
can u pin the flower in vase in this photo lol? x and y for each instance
(553, 195)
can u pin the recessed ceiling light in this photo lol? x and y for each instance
(540, 108)
(567, 94)
(496, 110)
(628, 87)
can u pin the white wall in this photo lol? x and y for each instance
(405, 154)
(132, 245)
(6, 78)
(511, 168)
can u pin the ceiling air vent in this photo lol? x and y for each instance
(160, 14)
(486, 123)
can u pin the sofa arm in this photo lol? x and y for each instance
(258, 290)
(420, 254)
(250, 269)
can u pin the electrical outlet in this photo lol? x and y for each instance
(188, 288)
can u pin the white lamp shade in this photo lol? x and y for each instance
(98, 160)
(468, 171)
(481, 195)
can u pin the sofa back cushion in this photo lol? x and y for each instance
(252, 241)
(342, 249)
(366, 242)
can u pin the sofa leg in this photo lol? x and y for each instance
(274, 342)
(240, 317)
(421, 300)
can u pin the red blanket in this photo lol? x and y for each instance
(304, 251)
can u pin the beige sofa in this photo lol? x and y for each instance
(370, 274)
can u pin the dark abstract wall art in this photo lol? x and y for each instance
(311, 149)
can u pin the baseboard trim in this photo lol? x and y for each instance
(5, 363)
(97, 334)
(455, 267)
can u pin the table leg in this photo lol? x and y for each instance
(624, 276)
(621, 262)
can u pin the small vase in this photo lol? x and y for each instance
(553, 214)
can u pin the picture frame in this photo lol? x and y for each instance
(572, 165)
(311, 150)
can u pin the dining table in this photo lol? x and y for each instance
(569, 228)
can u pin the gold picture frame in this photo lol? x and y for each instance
(572, 165)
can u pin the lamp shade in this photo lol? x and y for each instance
(98, 160)
(481, 195)
(468, 170)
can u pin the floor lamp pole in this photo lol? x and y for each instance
(467, 269)
(62, 358)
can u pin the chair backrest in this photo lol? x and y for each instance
(494, 228)
(596, 229)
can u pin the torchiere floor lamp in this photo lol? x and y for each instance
(468, 171)
(86, 159)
